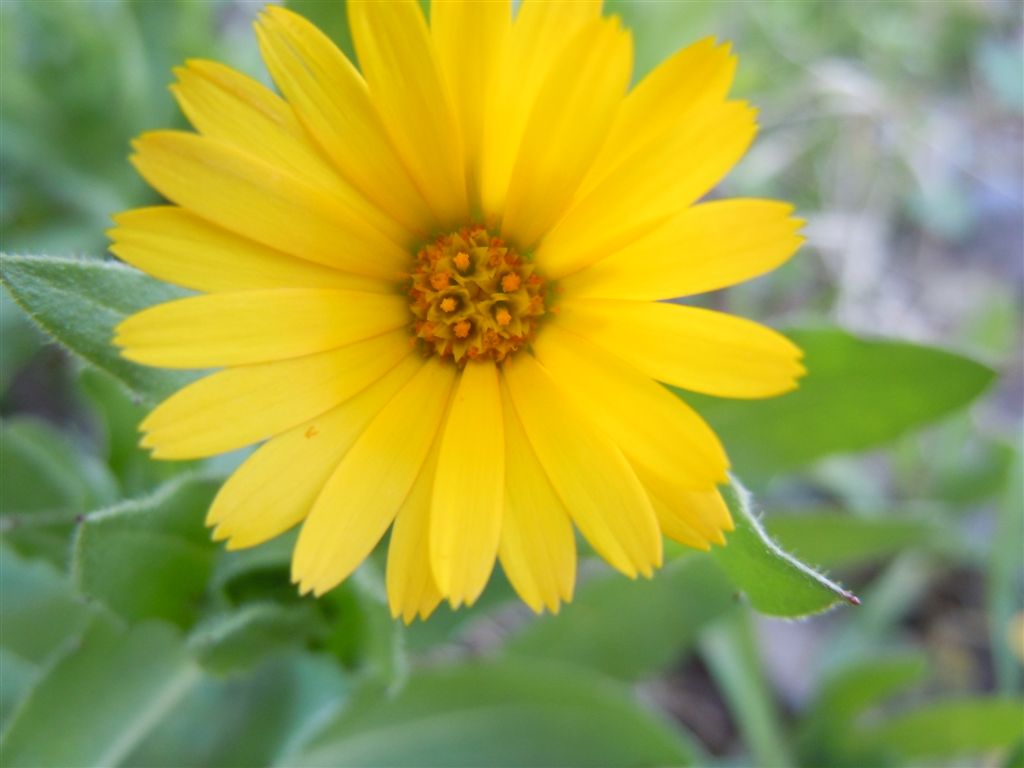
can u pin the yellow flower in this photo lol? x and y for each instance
(433, 290)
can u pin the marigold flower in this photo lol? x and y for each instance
(433, 290)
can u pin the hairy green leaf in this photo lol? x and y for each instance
(774, 581)
(149, 557)
(79, 301)
(833, 540)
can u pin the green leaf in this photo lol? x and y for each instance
(42, 617)
(246, 720)
(238, 639)
(117, 421)
(79, 301)
(858, 393)
(1015, 759)
(1003, 580)
(19, 340)
(47, 482)
(950, 729)
(496, 714)
(41, 612)
(827, 735)
(363, 634)
(631, 629)
(833, 540)
(44, 472)
(730, 651)
(98, 702)
(863, 684)
(17, 676)
(775, 582)
(150, 557)
(255, 574)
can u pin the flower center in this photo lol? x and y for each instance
(473, 297)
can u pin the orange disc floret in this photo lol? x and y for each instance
(473, 297)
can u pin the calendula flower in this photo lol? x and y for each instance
(433, 290)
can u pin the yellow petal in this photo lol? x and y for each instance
(177, 246)
(591, 476)
(663, 102)
(649, 424)
(465, 515)
(226, 105)
(689, 347)
(397, 58)
(538, 548)
(365, 492)
(333, 103)
(656, 183)
(567, 126)
(541, 31)
(410, 581)
(694, 518)
(253, 198)
(255, 326)
(470, 39)
(707, 247)
(275, 487)
(239, 406)
(677, 525)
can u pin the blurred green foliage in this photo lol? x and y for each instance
(128, 638)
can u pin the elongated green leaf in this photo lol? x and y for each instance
(858, 393)
(863, 684)
(79, 301)
(496, 714)
(730, 651)
(631, 629)
(249, 719)
(833, 540)
(1003, 580)
(775, 582)
(150, 557)
(949, 729)
(827, 735)
(97, 703)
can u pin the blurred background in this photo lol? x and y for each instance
(897, 130)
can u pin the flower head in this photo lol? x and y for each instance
(432, 289)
